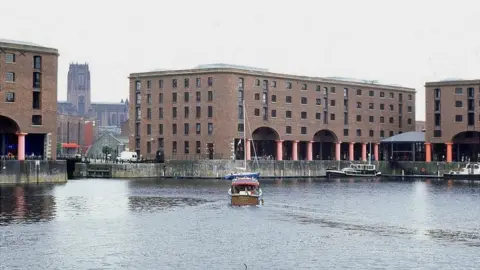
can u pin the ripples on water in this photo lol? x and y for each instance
(187, 224)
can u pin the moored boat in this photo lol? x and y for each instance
(471, 171)
(355, 170)
(233, 176)
(245, 191)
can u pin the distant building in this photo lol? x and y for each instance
(114, 144)
(125, 129)
(79, 100)
(419, 126)
(28, 99)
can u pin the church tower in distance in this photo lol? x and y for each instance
(78, 89)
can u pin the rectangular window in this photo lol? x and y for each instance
(274, 98)
(198, 147)
(174, 129)
(9, 97)
(138, 114)
(241, 82)
(303, 115)
(438, 120)
(149, 129)
(198, 96)
(288, 114)
(174, 112)
(210, 128)
(371, 106)
(160, 129)
(332, 102)
(37, 62)
(137, 129)
(36, 120)
(149, 147)
(174, 147)
(210, 96)
(138, 85)
(458, 104)
(160, 84)
(370, 133)
(210, 81)
(138, 100)
(274, 113)
(198, 82)
(198, 129)
(303, 130)
(9, 58)
(186, 129)
(458, 91)
(437, 133)
(160, 98)
(371, 93)
(149, 84)
(186, 83)
(186, 97)
(458, 118)
(210, 112)
(37, 100)
(345, 132)
(288, 99)
(174, 83)
(288, 130)
(161, 143)
(304, 100)
(186, 112)
(37, 79)
(149, 98)
(332, 116)
(174, 97)
(198, 112)
(240, 127)
(436, 93)
(149, 113)
(187, 147)
(160, 113)
(256, 112)
(10, 77)
(318, 116)
(288, 85)
(304, 86)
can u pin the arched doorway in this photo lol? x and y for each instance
(264, 141)
(324, 145)
(8, 137)
(466, 146)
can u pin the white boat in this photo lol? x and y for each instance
(471, 171)
(355, 170)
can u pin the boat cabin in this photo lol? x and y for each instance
(363, 167)
(242, 186)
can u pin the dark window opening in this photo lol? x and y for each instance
(36, 120)
(36, 100)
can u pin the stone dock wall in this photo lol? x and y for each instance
(268, 169)
(32, 172)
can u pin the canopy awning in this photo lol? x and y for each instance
(70, 145)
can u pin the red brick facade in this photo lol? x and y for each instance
(295, 109)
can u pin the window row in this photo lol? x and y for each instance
(186, 113)
(186, 83)
(186, 97)
(304, 87)
(36, 83)
(186, 129)
(36, 99)
(458, 92)
(358, 132)
(11, 58)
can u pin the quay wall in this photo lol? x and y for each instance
(268, 169)
(32, 171)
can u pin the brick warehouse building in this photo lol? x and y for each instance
(28, 99)
(197, 113)
(452, 120)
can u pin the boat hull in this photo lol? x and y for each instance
(239, 175)
(450, 176)
(244, 200)
(339, 174)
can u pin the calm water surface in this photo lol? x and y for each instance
(187, 224)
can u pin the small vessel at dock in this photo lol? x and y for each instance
(471, 171)
(355, 170)
(245, 191)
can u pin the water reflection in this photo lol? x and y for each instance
(26, 204)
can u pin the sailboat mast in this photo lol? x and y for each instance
(244, 137)
(370, 154)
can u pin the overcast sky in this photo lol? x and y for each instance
(395, 42)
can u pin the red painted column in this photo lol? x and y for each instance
(428, 152)
(248, 149)
(280, 150)
(310, 150)
(364, 152)
(449, 151)
(337, 150)
(350, 151)
(295, 150)
(375, 150)
(21, 146)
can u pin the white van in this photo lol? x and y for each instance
(126, 156)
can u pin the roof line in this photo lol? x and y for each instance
(265, 74)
